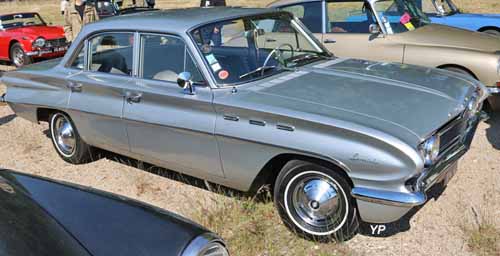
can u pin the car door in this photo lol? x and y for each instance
(347, 33)
(165, 125)
(97, 92)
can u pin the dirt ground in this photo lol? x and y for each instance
(436, 229)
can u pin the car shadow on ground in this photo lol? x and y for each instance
(7, 119)
(402, 225)
(493, 132)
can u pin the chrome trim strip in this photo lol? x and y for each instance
(285, 127)
(388, 197)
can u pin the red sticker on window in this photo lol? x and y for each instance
(223, 74)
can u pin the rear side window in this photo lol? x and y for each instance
(112, 53)
(164, 57)
(310, 14)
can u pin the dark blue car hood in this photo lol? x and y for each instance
(81, 220)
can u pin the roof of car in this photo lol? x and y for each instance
(174, 20)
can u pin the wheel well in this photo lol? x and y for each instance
(10, 46)
(459, 67)
(43, 114)
(269, 173)
(489, 28)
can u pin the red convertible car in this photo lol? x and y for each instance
(25, 37)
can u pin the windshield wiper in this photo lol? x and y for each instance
(262, 69)
(307, 57)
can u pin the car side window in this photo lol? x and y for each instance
(309, 14)
(428, 6)
(112, 53)
(79, 59)
(164, 57)
(349, 17)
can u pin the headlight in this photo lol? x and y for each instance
(39, 42)
(430, 150)
(214, 249)
(207, 244)
(474, 104)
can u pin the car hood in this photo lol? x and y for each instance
(48, 32)
(407, 102)
(104, 224)
(436, 35)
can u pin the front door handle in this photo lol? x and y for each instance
(75, 86)
(329, 41)
(133, 97)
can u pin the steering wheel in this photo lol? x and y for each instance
(277, 51)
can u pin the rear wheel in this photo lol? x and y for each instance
(66, 140)
(18, 57)
(315, 202)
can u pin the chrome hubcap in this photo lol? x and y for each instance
(316, 201)
(18, 57)
(64, 135)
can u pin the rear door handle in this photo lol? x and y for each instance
(75, 86)
(133, 97)
(329, 41)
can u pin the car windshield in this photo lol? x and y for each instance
(21, 20)
(399, 16)
(249, 48)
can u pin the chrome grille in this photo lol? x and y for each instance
(56, 42)
(452, 132)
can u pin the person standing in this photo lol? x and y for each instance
(210, 3)
(76, 15)
(64, 3)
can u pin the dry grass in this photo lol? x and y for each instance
(251, 228)
(482, 233)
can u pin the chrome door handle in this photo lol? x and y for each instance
(133, 97)
(329, 41)
(75, 86)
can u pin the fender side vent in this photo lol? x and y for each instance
(285, 127)
(258, 123)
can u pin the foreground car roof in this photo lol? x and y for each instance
(175, 20)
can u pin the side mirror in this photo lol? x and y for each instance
(184, 80)
(374, 29)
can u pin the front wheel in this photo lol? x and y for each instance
(67, 142)
(18, 57)
(315, 202)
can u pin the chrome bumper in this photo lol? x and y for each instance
(428, 178)
(44, 51)
(494, 90)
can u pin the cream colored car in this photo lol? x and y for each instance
(397, 31)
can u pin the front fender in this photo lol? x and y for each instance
(482, 65)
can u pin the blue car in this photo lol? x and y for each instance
(446, 12)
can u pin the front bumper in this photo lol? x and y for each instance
(48, 52)
(381, 206)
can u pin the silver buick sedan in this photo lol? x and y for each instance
(248, 97)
